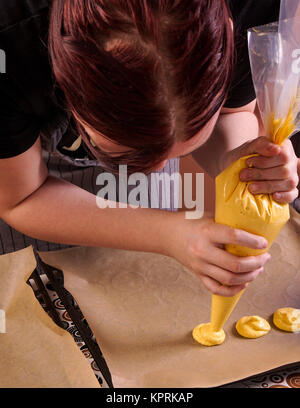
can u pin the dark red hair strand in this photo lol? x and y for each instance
(142, 73)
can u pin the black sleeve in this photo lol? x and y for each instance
(18, 128)
(247, 14)
(242, 89)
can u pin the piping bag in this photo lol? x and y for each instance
(274, 52)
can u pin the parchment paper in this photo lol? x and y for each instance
(143, 307)
(35, 352)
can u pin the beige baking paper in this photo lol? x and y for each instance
(35, 352)
(143, 307)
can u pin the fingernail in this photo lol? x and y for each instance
(268, 257)
(264, 244)
(260, 270)
(274, 148)
(253, 188)
(249, 163)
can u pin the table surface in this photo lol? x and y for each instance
(285, 377)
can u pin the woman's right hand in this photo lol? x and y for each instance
(200, 246)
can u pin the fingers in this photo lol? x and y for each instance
(277, 179)
(217, 288)
(286, 197)
(221, 234)
(262, 162)
(270, 187)
(273, 173)
(261, 146)
(223, 282)
(220, 271)
(238, 264)
(281, 159)
(229, 278)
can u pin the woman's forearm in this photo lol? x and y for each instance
(61, 212)
(230, 132)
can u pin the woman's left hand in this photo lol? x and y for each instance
(274, 171)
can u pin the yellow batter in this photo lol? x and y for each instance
(207, 336)
(257, 214)
(252, 327)
(287, 319)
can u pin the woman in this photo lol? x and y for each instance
(143, 83)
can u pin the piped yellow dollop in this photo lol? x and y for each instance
(287, 319)
(205, 335)
(252, 327)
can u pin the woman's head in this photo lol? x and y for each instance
(142, 77)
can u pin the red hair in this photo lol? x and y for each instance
(142, 73)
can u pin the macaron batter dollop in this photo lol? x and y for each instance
(252, 327)
(205, 335)
(287, 319)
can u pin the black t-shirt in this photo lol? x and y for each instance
(27, 96)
